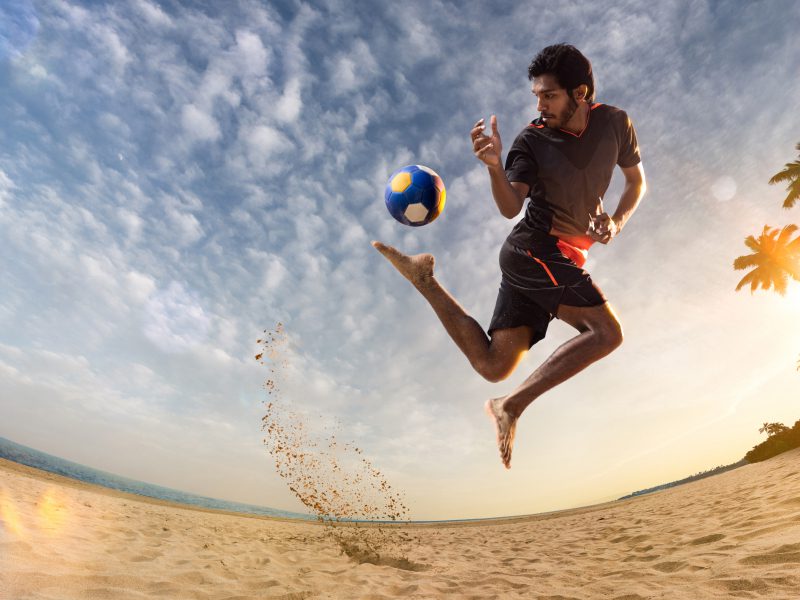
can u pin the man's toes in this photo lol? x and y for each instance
(387, 251)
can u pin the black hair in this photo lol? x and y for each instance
(566, 63)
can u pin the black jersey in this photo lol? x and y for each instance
(569, 173)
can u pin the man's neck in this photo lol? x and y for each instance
(577, 122)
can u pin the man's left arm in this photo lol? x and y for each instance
(605, 226)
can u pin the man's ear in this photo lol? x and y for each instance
(580, 92)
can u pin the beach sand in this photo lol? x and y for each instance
(734, 535)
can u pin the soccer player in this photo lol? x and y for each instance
(563, 162)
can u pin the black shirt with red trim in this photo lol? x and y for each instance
(569, 173)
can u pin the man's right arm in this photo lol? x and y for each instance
(508, 195)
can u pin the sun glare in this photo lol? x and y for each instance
(793, 293)
(52, 511)
(9, 516)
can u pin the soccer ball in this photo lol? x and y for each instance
(415, 195)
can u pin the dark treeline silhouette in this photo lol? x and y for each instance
(695, 477)
(780, 439)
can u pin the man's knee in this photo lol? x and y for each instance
(493, 370)
(610, 332)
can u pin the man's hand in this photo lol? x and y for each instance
(486, 148)
(602, 228)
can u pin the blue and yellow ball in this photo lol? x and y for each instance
(415, 195)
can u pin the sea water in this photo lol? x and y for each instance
(47, 462)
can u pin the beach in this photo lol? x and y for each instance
(736, 534)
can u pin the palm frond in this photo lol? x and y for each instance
(780, 282)
(785, 234)
(752, 243)
(793, 195)
(747, 261)
(790, 172)
(748, 278)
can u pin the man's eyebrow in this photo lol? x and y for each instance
(544, 91)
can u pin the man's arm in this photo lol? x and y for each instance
(509, 196)
(606, 227)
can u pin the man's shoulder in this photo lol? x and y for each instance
(608, 111)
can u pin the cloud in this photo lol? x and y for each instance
(199, 125)
(176, 321)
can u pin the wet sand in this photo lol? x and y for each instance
(733, 535)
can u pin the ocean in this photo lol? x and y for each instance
(47, 462)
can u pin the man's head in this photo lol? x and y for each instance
(561, 79)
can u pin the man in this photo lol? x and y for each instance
(563, 162)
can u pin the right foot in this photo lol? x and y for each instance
(418, 269)
(505, 426)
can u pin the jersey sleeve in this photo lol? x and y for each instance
(628, 145)
(521, 163)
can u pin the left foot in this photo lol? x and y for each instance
(505, 426)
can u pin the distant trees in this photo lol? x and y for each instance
(780, 438)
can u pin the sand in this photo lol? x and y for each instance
(734, 535)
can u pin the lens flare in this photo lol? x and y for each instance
(53, 512)
(9, 516)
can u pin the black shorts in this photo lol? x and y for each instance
(535, 282)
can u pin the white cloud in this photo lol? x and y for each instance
(176, 322)
(290, 104)
(199, 125)
(262, 143)
(153, 13)
(6, 186)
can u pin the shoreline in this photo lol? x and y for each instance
(48, 476)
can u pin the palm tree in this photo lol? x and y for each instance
(790, 173)
(775, 258)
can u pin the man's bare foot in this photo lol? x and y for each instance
(505, 425)
(417, 268)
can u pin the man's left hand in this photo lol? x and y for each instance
(602, 228)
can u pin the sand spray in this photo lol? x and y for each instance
(331, 477)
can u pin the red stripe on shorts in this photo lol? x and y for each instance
(544, 266)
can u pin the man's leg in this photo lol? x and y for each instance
(600, 333)
(495, 358)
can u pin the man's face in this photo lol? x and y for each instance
(553, 102)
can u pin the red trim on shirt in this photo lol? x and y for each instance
(585, 127)
(575, 254)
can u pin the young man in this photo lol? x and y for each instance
(563, 162)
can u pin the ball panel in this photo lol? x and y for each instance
(396, 203)
(422, 179)
(400, 181)
(416, 213)
(413, 194)
(429, 197)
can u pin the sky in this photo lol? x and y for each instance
(176, 178)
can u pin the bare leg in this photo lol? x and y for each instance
(600, 333)
(494, 358)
